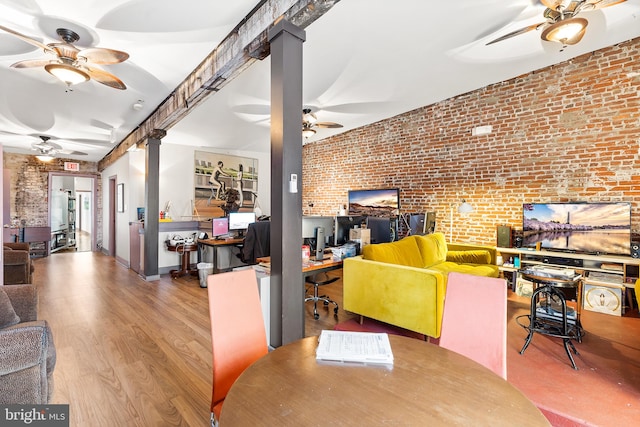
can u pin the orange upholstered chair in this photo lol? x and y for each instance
(238, 335)
(474, 321)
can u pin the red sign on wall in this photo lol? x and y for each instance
(71, 166)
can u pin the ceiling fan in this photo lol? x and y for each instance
(310, 121)
(562, 23)
(47, 149)
(73, 65)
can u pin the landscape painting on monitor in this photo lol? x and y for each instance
(378, 202)
(603, 228)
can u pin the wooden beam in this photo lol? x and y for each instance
(244, 45)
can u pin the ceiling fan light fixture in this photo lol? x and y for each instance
(44, 157)
(307, 132)
(566, 31)
(308, 116)
(66, 73)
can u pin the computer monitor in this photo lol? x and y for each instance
(343, 225)
(380, 229)
(310, 223)
(417, 224)
(239, 221)
(220, 227)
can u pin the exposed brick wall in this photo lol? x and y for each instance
(570, 132)
(29, 190)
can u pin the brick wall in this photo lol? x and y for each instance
(569, 132)
(29, 192)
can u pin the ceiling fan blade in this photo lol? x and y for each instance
(588, 4)
(28, 39)
(72, 152)
(105, 78)
(327, 125)
(516, 33)
(101, 56)
(31, 63)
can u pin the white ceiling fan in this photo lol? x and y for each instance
(562, 23)
(71, 64)
(47, 150)
(310, 121)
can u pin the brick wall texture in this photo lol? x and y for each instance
(569, 132)
(29, 190)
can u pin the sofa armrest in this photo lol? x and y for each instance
(24, 299)
(27, 360)
(18, 246)
(409, 297)
(471, 247)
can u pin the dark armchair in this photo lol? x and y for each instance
(27, 352)
(18, 268)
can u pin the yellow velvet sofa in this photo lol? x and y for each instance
(403, 283)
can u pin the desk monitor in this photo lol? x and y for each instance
(310, 223)
(239, 221)
(220, 227)
(381, 231)
(342, 227)
(417, 224)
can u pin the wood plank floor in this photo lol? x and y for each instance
(130, 352)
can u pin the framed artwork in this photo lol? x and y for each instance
(220, 177)
(120, 197)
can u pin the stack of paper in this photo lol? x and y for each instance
(361, 347)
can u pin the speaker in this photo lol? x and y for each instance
(430, 223)
(319, 243)
(504, 236)
(635, 249)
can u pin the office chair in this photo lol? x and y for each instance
(317, 280)
(474, 321)
(238, 334)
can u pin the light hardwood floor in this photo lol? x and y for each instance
(130, 352)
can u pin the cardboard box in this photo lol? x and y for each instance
(602, 299)
(360, 235)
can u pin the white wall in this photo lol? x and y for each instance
(176, 185)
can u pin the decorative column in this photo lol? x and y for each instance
(152, 203)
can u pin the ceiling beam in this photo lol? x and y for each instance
(241, 48)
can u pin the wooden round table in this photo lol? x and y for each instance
(427, 385)
(184, 250)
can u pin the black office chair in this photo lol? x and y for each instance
(317, 280)
(257, 242)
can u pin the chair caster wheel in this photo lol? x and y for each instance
(325, 302)
(316, 316)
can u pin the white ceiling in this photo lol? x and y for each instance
(364, 61)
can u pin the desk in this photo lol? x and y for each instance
(184, 250)
(311, 267)
(215, 244)
(427, 385)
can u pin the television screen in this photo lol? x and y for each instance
(380, 202)
(220, 226)
(598, 228)
(241, 220)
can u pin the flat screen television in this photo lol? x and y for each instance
(378, 202)
(592, 228)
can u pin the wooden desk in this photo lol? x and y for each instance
(215, 244)
(184, 250)
(311, 267)
(427, 385)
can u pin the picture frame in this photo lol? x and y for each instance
(120, 197)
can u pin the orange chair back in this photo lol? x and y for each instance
(238, 335)
(474, 321)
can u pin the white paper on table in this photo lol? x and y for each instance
(363, 347)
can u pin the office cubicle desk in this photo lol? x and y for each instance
(426, 385)
(215, 244)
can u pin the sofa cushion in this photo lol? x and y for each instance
(433, 248)
(402, 252)
(485, 270)
(479, 256)
(8, 316)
